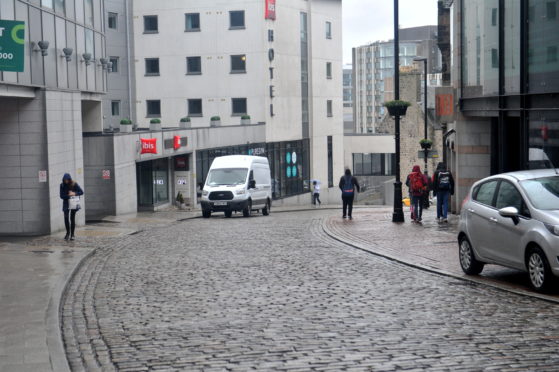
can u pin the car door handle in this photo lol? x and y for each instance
(471, 210)
(493, 219)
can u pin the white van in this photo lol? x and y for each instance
(237, 183)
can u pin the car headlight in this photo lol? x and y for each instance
(240, 192)
(554, 229)
(205, 193)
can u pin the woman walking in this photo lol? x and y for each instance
(70, 192)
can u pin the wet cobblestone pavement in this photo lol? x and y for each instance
(277, 294)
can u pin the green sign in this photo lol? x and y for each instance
(12, 40)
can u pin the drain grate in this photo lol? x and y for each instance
(42, 251)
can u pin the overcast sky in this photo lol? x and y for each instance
(370, 20)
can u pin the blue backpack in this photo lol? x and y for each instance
(347, 189)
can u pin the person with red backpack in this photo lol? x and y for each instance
(417, 182)
(348, 185)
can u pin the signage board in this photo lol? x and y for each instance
(444, 104)
(106, 174)
(176, 142)
(270, 9)
(432, 154)
(12, 41)
(42, 176)
(149, 145)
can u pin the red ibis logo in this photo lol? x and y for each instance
(176, 142)
(149, 145)
(270, 9)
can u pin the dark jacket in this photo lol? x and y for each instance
(353, 182)
(65, 188)
(442, 168)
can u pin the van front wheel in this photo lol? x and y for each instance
(266, 209)
(206, 214)
(247, 211)
(228, 214)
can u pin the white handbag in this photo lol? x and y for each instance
(74, 203)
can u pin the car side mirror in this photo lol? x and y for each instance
(510, 212)
(252, 184)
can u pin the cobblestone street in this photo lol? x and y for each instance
(277, 294)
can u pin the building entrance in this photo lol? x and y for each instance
(153, 183)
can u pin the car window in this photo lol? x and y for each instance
(486, 192)
(509, 196)
(543, 192)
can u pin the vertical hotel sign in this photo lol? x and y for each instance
(270, 9)
(12, 40)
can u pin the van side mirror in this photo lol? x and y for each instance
(510, 212)
(252, 184)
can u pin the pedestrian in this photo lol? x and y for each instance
(443, 187)
(316, 192)
(417, 183)
(70, 192)
(348, 185)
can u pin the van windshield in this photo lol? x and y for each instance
(227, 176)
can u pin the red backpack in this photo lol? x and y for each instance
(417, 183)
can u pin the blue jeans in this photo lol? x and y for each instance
(417, 203)
(442, 203)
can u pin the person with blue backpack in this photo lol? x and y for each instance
(443, 187)
(348, 185)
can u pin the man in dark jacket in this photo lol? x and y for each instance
(68, 189)
(443, 187)
(348, 185)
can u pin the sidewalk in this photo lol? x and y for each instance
(428, 246)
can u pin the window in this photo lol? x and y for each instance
(485, 192)
(192, 22)
(551, 10)
(238, 63)
(551, 54)
(329, 108)
(114, 61)
(330, 162)
(153, 108)
(59, 6)
(237, 19)
(509, 196)
(112, 22)
(193, 65)
(47, 3)
(239, 106)
(152, 66)
(494, 16)
(494, 58)
(115, 108)
(328, 70)
(194, 107)
(328, 30)
(88, 5)
(150, 24)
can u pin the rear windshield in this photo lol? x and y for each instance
(227, 176)
(543, 192)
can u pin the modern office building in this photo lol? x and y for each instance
(52, 79)
(506, 79)
(373, 63)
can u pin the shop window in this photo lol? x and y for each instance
(239, 106)
(152, 66)
(238, 64)
(112, 20)
(237, 19)
(193, 65)
(151, 25)
(153, 108)
(194, 107)
(192, 22)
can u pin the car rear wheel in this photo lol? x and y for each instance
(248, 209)
(266, 209)
(538, 270)
(206, 214)
(470, 265)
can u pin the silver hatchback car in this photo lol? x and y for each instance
(512, 219)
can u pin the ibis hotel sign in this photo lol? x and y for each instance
(12, 40)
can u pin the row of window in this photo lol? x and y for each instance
(59, 6)
(238, 107)
(191, 22)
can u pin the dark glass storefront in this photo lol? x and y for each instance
(510, 74)
(289, 164)
(153, 182)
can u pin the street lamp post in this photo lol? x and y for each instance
(398, 214)
(425, 150)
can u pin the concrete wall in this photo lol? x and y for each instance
(367, 144)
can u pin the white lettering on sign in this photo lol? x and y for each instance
(2, 31)
(158, 182)
(148, 146)
(181, 181)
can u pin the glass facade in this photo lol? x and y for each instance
(373, 164)
(289, 164)
(512, 46)
(153, 182)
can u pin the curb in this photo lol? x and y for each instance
(55, 343)
(432, 270)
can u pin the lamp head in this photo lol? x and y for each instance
(44, 46)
